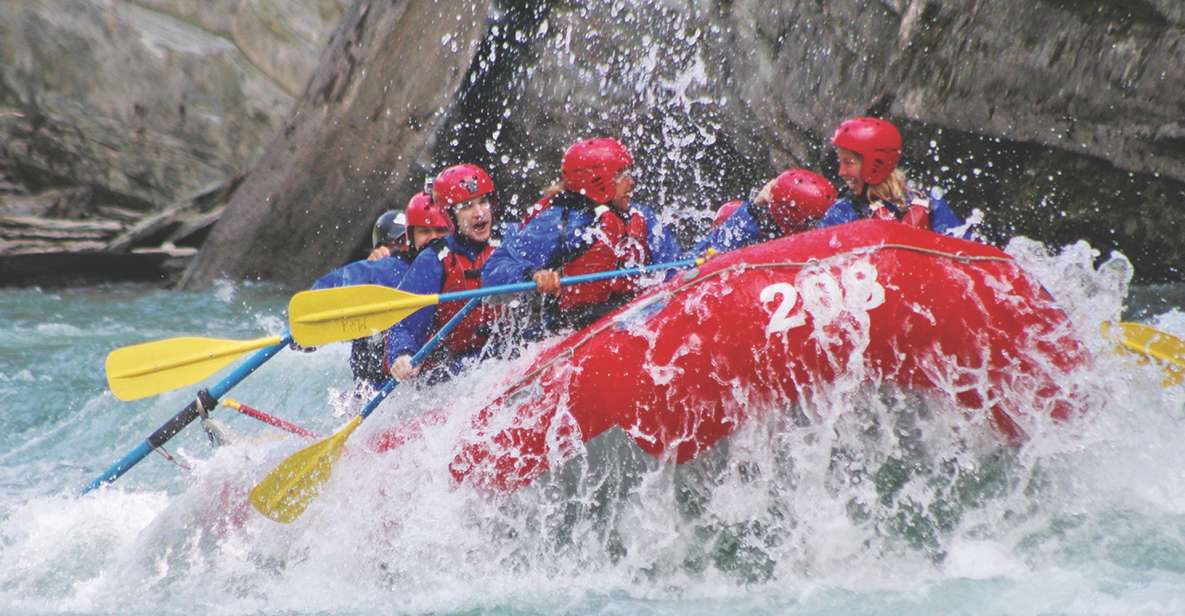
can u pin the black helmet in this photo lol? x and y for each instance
(390, 228)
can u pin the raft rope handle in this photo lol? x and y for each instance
(566, 353)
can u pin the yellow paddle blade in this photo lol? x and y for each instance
(287, 491)
(1164, 347)
(150, 368)
(345, 313)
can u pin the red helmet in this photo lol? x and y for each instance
(422, 212)
(460, 183)
(590, 165)
(725, 211)
(390, 228)
(874, 139)
(799, 196)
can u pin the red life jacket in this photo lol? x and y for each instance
(463, 274)
(537, 209)
(916, 214)
(619, 243)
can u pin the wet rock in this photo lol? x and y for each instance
(122, 97)
(49, 249)
(355, 145)
(1058, 119)
(113, 111)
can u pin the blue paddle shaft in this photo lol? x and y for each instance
(418, 358)
(571, 280)
(171, 427)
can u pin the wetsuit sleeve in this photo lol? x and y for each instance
(424, 277)
(387, 271)
(839, 213)
(740, 229)
(663, 246)
(523, 253)
(945, 220)
(344, 276)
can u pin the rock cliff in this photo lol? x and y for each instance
(1059, 119)
(111, 111)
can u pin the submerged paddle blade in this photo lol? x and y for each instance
(1164, 347)
(150, 368)
(287, 491)
(345, 313)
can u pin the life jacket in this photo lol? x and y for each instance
(916, 214)
(463, 274)
(537, 209)
(617, 243)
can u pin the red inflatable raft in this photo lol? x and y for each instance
(686, 363)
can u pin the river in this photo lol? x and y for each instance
(933, 516)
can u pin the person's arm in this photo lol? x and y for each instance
(344, 276)
(945, 220)
(737, 231)
(424, 277)
(838, 214)
(524, 253)
(660, 240)
(388, 271)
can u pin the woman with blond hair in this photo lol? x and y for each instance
(868, 150)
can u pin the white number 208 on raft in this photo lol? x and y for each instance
(824, 297)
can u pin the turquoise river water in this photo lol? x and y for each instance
(817, 517)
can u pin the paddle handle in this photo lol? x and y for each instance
(174, 425)
(571, 280)
(420, 355)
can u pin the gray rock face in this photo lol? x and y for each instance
(149, 104)
(1060, 119)
(354, 146)
(136, 107)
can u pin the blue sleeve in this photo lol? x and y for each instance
(425, 277)
(839, 213)
(387, 271)
(523, 253)
(737, 231)
(943, 219)
(661, 241)
(344, 276)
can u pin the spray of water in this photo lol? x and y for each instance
(859, 488)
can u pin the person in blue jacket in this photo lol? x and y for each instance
(448, 264)
(389, 260)
(788, 204)
(589, 225)
(868, 150)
